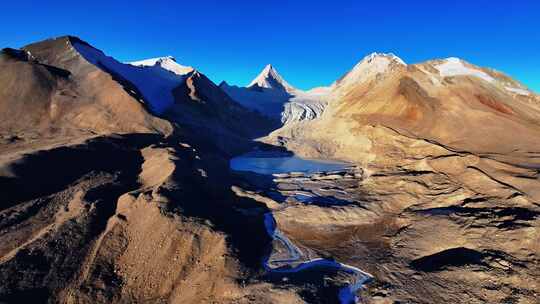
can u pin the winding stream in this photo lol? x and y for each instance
(296, 261)
(346, 295)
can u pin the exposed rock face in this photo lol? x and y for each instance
(144, 217)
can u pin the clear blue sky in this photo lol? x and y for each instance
(311, 43)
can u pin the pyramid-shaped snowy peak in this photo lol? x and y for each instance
(270, 79)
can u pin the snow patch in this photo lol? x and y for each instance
(455, 67)
(153, 82)
(518, 91)
(272, 96)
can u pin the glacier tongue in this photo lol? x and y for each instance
(277, 104)
(299, 110)
(273, 97)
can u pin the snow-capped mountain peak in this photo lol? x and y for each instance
(374, 57)
(269, 78)
(168, 63)
(368, 67)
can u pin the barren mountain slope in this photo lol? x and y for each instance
(462, 111)
(90, 98)
(140, 219)
(450, 156)
(143, 216)
(203, 107)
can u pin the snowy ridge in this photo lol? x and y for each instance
(456, 67)
(167, 62)
(155, 83)
(369, 67)
(390, 56)
(151, 61)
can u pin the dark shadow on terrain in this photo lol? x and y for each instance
(210, 199)
(451, 257)
(461, 256)
(43, 268)
(48, 171)
(40, 271)
(277, 97)
(318, 284)
(503, 218)
(24, 56)
(268, 187)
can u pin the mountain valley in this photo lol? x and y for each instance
(147, 182)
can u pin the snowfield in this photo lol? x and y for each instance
(154, 82)
(454, 67)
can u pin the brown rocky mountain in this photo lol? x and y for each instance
(116, 186)
(450, 210)
(81, 97)
(106, 202)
